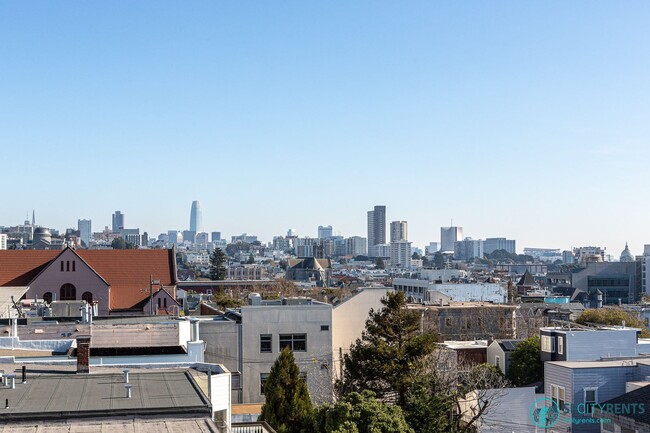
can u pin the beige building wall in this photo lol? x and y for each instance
(349, 321)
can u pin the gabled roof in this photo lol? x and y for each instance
(19, 267)
(126, 271)
(507, 345)
(527, 280)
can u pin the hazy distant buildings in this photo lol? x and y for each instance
(431, 249)
(468, 249)
(398, 231)
(189, 236)
(325, 232)
(589, 254)
(202, 239)
(174, 237)
(215, 236)
(626, 255)
(85, 231)
(305, 247)
(355, 246)
(3, 241)
(449, 236)
(118, 221)
(245, 238)
(490, 245)
(400, 254)
(376, 228)
(196, 217)
(544, 254)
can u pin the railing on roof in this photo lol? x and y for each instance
(251, 427)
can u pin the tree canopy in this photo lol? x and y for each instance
(287, 408)
(385, 360)
(360, 413)
(218, 265)
(613, 316)
(525, 365)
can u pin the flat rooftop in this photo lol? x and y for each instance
(62, 396)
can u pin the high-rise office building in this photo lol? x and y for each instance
(196, 217)
(398, 231)
(449, 236)
(324, 232)
(400, 254)
(118, 221)
(85, 231)
(376, 228)
(493, 244)
(216, 236)
(355, 246)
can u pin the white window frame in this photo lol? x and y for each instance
(584, 396)
(497, 361)
(558, 395)
(560, 345)
(548, 344)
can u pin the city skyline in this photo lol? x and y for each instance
(313, 233)
(524, 121)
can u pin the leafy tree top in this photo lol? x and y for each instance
(360, 413)
(525, 365)
(613, 316)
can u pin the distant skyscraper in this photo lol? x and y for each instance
(33, 217)
(449, 236)
(118, 221)
(85, 231)
(493, 244)
(376, 228)
(398, 231)
(196, 217)
(216, 236)
(324, 232)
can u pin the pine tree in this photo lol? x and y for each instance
(288, 408)
(218, 269)
(386, 359)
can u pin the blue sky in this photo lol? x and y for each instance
(527, 120)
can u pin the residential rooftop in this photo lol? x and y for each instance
(53, 394)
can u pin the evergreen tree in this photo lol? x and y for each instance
(218, 268)
(386, 359)
(379, 263)
(288, 407)
(525, 365)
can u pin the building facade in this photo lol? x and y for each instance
(196, 217)
(398, 231)
(376, 228)
(449, 236)
(490, 245)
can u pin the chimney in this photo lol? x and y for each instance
(83, 354)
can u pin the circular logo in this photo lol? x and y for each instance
(544, 413)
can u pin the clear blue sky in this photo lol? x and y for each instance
(528, 120)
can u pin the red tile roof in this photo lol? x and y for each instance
(18, 267)
(127, 271)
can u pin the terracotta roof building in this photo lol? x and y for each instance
(115, 279)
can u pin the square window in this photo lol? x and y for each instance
(266, 341)
(295, 342)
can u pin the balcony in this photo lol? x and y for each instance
(251, 427)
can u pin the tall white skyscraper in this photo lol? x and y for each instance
(196, 217)
(85, 231)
